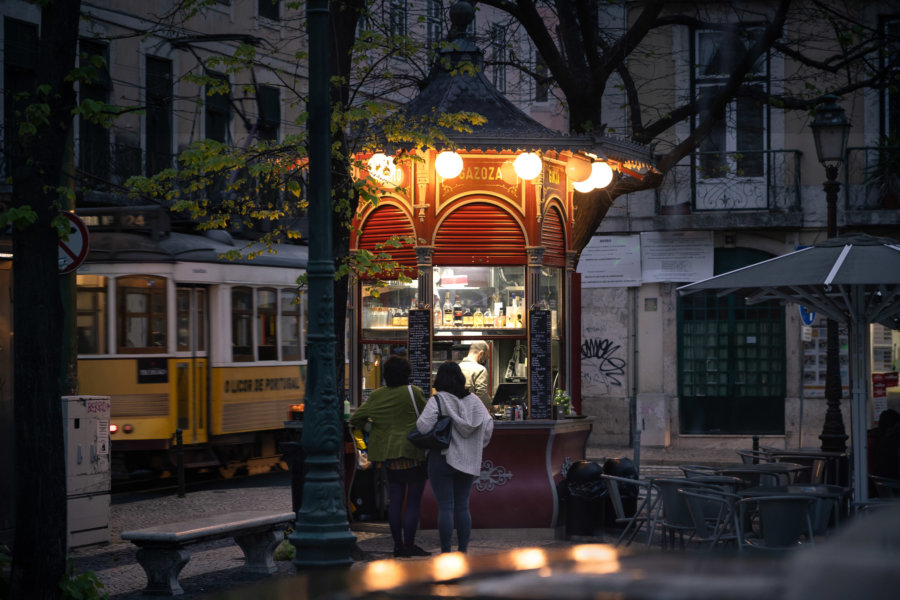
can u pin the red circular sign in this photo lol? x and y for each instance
(74, 250)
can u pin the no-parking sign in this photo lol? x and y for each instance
(74, 250)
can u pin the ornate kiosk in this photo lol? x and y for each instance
(490, 260)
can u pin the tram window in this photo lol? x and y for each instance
(290, 325)
(267, 330)
(142, 314)
(91, 319)
(241, 320)
(183, 319)
(190, 315)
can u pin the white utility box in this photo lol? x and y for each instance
(86, 421)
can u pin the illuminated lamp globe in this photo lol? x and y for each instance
(382, 167)
(508, 173)
(448, 164)
(583, 186)
(528, 165)
(578, 169)
(601, 175)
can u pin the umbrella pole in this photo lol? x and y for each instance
(859, 369)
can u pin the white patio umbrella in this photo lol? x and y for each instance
(852, 278)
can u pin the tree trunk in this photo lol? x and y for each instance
(39, 551)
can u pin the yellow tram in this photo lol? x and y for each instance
(183, 339)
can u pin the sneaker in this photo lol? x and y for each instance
(400, 552)
(414, 550)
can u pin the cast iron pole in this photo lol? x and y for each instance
(833, 436)
(322, 534)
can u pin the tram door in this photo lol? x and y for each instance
(191, 362)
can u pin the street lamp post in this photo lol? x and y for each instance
(322, 535)
(830, 130)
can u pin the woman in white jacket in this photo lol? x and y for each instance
(452, 471)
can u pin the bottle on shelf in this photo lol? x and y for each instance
(468, 317)
(520, 313)
(500, 319)
(404, 317)
(395, 317)
(437, 315)
(457, 313)
(488, 317)
(511, 313)
(448, 312)
(478, 317)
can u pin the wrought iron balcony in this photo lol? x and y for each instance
(767, 181)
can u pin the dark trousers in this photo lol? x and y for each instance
(408, 485)
(452, 489)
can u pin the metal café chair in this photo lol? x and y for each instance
(752, 457)
(691, 471)
(672, 515)
(783, 521)
(714, 515)
(814, 474)
(647, 499)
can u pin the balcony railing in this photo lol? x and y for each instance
(765, 180)
(872, 178)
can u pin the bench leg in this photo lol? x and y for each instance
(162, 566)
(258, 550)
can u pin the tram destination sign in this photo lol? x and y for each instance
(539, 375)
(126, 218)
(420, 348)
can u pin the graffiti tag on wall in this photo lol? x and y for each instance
(599, 363)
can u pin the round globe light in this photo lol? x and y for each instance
(528, 165)
(601, 175)
(583, 186)
(578, 169)
(382, 168)
(448, 164)
(508, 173)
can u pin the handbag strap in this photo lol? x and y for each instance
(413, 398)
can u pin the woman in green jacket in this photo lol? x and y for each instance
(390, 412)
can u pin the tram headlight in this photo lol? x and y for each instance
(113, 428)
(128, 428)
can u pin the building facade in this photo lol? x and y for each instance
(704, 372)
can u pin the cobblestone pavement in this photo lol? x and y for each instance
(217, 565)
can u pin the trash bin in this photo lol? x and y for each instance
(621, 467)
(583, 499)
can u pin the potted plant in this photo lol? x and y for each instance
(562, 404)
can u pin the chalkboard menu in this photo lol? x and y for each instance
(539, 375)
(420, 348)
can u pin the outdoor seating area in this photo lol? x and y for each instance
(774, 500)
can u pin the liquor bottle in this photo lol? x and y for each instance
(395, 317)
(468, 317)
(404, 317)
(488, 317)
(478, 318)
(500, 319)
(437, 315)
(448, 312)
(511, 312)
(520, 313)
(457, 313)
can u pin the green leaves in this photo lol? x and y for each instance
(20, 218)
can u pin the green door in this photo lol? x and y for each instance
(731, 359)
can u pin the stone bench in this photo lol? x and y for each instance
(163, 549)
